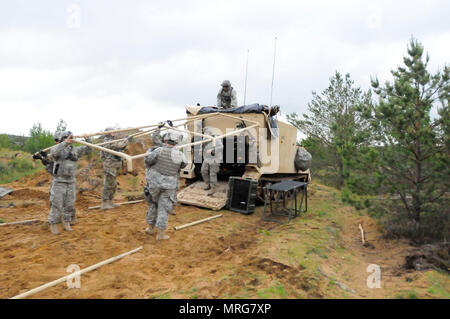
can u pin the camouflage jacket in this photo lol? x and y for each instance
(65, 158)
(116, 146)
(227, 99)
(162, 167)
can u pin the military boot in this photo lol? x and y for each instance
(111, 202)
(67, 226)
(161, 235)
(74, 221)
(107, 204)
(212, 190)
(150, 229)
(54, 229)
(206, 186)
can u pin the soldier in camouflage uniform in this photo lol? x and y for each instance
(158, 142)
(226, 97)
(163, 165)
(212, 157)
(48, 161)
(63, 191)
(111, 166)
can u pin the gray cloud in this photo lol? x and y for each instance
(133, 63)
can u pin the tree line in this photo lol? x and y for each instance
(39, 138)
(387, 149)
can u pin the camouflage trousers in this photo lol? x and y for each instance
(209, 173)
(62, 202)
(111, 171)
(160, 203)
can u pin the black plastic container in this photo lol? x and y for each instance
(242, 195)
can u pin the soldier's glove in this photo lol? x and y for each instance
(161, 124)
(170, 122)
(37, 156)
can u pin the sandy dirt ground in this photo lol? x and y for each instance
(236, 256)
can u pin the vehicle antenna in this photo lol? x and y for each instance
(246, 73)
(273, 71)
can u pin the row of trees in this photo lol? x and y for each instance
(39, 138)
(390, 154)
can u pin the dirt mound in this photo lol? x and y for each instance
(139, 147)
(39, 179)
(26, 193)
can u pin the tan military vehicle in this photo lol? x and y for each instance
(257, 146)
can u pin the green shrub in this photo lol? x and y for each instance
(17, 168)
(39, 139)
(4, 141)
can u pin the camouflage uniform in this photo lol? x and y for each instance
(163, 166)
(212, 157)
(111, 166)
(227, 99)
(62, 192)
(158, 142)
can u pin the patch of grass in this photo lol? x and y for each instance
(192, 293)
(1, 221)
(275, 291)
(135, 182)
(439, 284)
(165, 295)
(318, 251)
(407, 294)
(332, 230)
(322, 214)
(16, 166)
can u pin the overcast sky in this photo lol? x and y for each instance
(102, 63)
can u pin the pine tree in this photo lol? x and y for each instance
(61, 126)
(335, 123)
(39, 139)
(413, 148)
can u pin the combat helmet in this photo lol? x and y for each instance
(172, 137)
(64, 135)
(57, 136)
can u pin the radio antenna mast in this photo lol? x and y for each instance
(273, 70)
(246, 73)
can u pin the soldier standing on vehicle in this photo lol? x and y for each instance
(163, 166)
(212, 157)
(63, 190)
(111, 166)
(227, 96)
